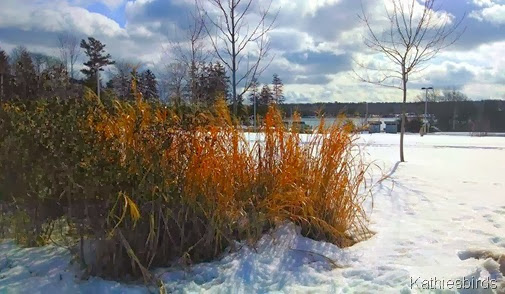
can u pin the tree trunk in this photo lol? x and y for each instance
(404, 118)
(255, 111)
(193, 80)
(234, 59)
(98, 84)
(1, 87)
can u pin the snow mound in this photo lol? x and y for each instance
(284, 261)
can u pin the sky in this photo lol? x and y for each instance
(314, 46)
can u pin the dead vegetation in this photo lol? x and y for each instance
(142, 185)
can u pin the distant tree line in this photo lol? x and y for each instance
(190, 78)
(463, 116)
(25, 75)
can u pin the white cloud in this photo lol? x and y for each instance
(491, 11)
(57, 18)
(309, 29)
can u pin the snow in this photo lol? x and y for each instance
(439, 215)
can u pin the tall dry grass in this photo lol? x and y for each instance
(156, 188)
(316, 181)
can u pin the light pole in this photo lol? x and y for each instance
(366, 112)
(426, 107)
(254, 118)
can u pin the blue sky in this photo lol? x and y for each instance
(314, 45)
(115, 13)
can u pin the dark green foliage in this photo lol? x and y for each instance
(413, 125)
(213, 83)
(53, 164)
(34, 76)
(277, 90)
(25, 78)
(5, 76)
(266, 96)
(41, 155)
(151, 185)
(459, 116)
(4, 63)
(97, 59)
(121, 82)
(254, 93)
(265, 100)
(148, 85)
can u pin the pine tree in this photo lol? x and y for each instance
(121, 82)
(5, 71)
(277, 90)
(266, 96)
(95, 51)
(212, 83)
(254, 92)
(148, 85)
(220, 81)
(26, 80)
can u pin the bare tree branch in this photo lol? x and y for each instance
(233, 37)
(188, 54)
(70, 51)
(417, 33)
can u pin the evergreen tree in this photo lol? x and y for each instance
(241, 108)
(5, 72)
(266, 96)
(277, 89)
(220, 82)
(121, 82)
(98, 59)
(148, 85)
(25, 80)
(212, 82)
(254, 92)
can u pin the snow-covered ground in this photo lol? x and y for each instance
(442, 206)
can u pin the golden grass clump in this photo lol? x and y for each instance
(313, 180)
(154, 186)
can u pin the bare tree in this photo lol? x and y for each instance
(444, 95)
(234, 35)
(122, 77)
(416, 32)
(175, 76)
(190, 52)
(70, 50)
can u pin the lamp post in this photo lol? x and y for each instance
(254, 118)
(426, 107)
(366, 112)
